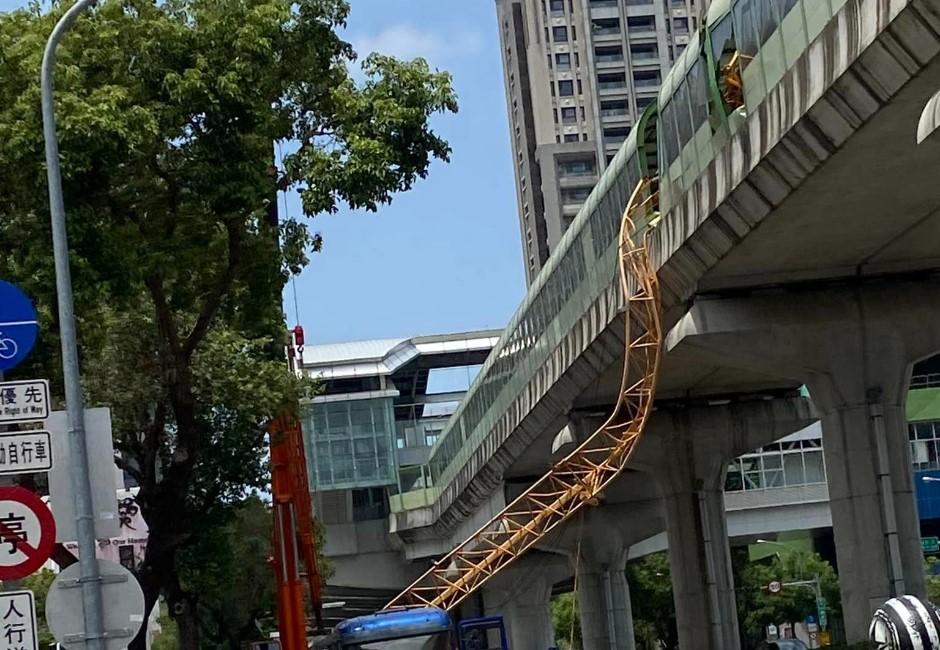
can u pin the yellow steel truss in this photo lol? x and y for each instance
(579, 478)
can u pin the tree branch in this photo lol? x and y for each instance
(235, 229)
(164, 315)
(173, 197)
(153, 438)
(135, 473)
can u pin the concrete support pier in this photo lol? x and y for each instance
(699, 557)
(604, 598)
(521, 594)
(598, 541)
(853, 347)
(686, 450)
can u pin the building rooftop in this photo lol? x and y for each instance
(385, 356)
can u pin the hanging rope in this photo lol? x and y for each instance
(286, 213)
(577, 570)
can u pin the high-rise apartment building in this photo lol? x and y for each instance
(578, 74)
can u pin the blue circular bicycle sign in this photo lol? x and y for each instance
(18, 326)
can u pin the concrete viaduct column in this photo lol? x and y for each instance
(686, 451)
(871, 491)
(521, 594)
(853, 347)
(604, 603)
(699, 557)
(598, 540)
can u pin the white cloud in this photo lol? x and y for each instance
(407, 41)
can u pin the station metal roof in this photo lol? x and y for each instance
(385, 356)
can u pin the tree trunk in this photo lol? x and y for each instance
(157, 575)
(184, 613)
(150, 584)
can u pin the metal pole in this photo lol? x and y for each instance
(81, 486)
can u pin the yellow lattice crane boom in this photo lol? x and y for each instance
(579, 478)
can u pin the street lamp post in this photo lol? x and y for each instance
(815, 584)
(92, 609)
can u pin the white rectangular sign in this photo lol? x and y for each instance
(103, 475)
(24, 401)
(25, 452)
(18, 621)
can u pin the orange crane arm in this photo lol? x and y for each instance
(578, 479)
(294, 537)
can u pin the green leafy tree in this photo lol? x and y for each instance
(566, 621)
(933, 578)
(168, 638)
(758, 607)
(229, 572)
(168, 114)
(39, 584)
(654, 612)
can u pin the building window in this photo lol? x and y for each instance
(580, 90)
(646, 79)
(563, 61)
(571, 137)
(641, 24)
(568, 115)
(611, 81)
(925, 442)
(616, 135)
(555, 114)
(608, 54)
(557, 6)
(566, 88)
(574, 33)
(613, 108)
(560, 34)
(575, 194)
(351, 443)
(644, 52)
(369, 504)
(605, 26)
(783, 464)
(577, 167)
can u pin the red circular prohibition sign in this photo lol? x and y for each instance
(36, 552)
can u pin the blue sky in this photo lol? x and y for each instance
(446, 256)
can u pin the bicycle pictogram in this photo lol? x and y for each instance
(8, 347)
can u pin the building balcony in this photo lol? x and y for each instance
(584, 179)
(611, 89)
(616, 118)
(614, 113)
(606, 35)
(604, 9)
(646, 62)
